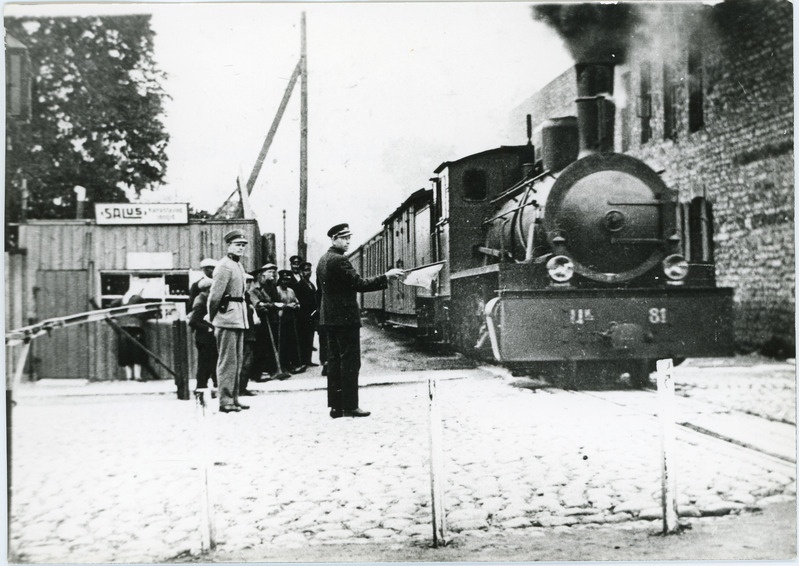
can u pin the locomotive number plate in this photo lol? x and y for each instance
(580, 316)
(658, 316)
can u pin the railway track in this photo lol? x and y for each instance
(747, 414)
(750, 437)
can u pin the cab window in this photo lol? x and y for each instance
(475, 186)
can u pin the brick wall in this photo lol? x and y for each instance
(741, 156)
(556, 99)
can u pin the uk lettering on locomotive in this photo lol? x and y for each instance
(572, 255)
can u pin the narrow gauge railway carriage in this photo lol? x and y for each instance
(582, 257)
(405, 242)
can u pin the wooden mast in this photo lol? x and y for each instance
(303, 218)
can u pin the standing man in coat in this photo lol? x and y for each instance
(263, 296)
(228, 313)
(307, 315)
(340, 316)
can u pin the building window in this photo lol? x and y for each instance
(153, 286)
(670, 97)
(18, 83)
(696, 112)
(645, 101)
(474, 185)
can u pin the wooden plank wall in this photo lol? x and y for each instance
(63, 352)
(75, 245)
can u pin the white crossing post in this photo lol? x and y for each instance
(666, 413)
(436, 474)
(207, 528)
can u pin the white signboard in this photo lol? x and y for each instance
(149, 260)
(141, 213)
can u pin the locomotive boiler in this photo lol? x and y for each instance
(583, 258)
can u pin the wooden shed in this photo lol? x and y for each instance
(61, 267)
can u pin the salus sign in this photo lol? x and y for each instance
(141, 213)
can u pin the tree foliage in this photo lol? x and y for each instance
(96, 113)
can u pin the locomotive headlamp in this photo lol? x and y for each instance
(675, 267)
(560, 268)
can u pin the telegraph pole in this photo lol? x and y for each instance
(285, 265)
(303, 216)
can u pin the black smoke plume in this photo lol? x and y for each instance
(592, 32)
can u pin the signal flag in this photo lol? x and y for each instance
(423, 276)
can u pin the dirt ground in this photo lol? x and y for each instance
(751, 536)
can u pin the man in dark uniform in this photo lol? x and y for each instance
(341, 319)
(263, 296)
(249, 364)
(287, 335)
(308, 313)
(295, 262)
(207, 355)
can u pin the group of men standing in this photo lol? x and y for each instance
(287, 301)
(264, 322)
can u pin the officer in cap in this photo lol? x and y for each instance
(307, 315)
(295, 262)
(228, 313)
(340, 317)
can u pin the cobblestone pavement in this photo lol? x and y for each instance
(759, 387)
(116, 478)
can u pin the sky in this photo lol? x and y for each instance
(394, 89)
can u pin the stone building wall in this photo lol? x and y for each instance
(719, 110)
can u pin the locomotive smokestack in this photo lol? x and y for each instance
(597, 36)
(596, 112)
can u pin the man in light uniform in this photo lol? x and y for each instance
(228, 313)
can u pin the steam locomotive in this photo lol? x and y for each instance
(581, 260)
